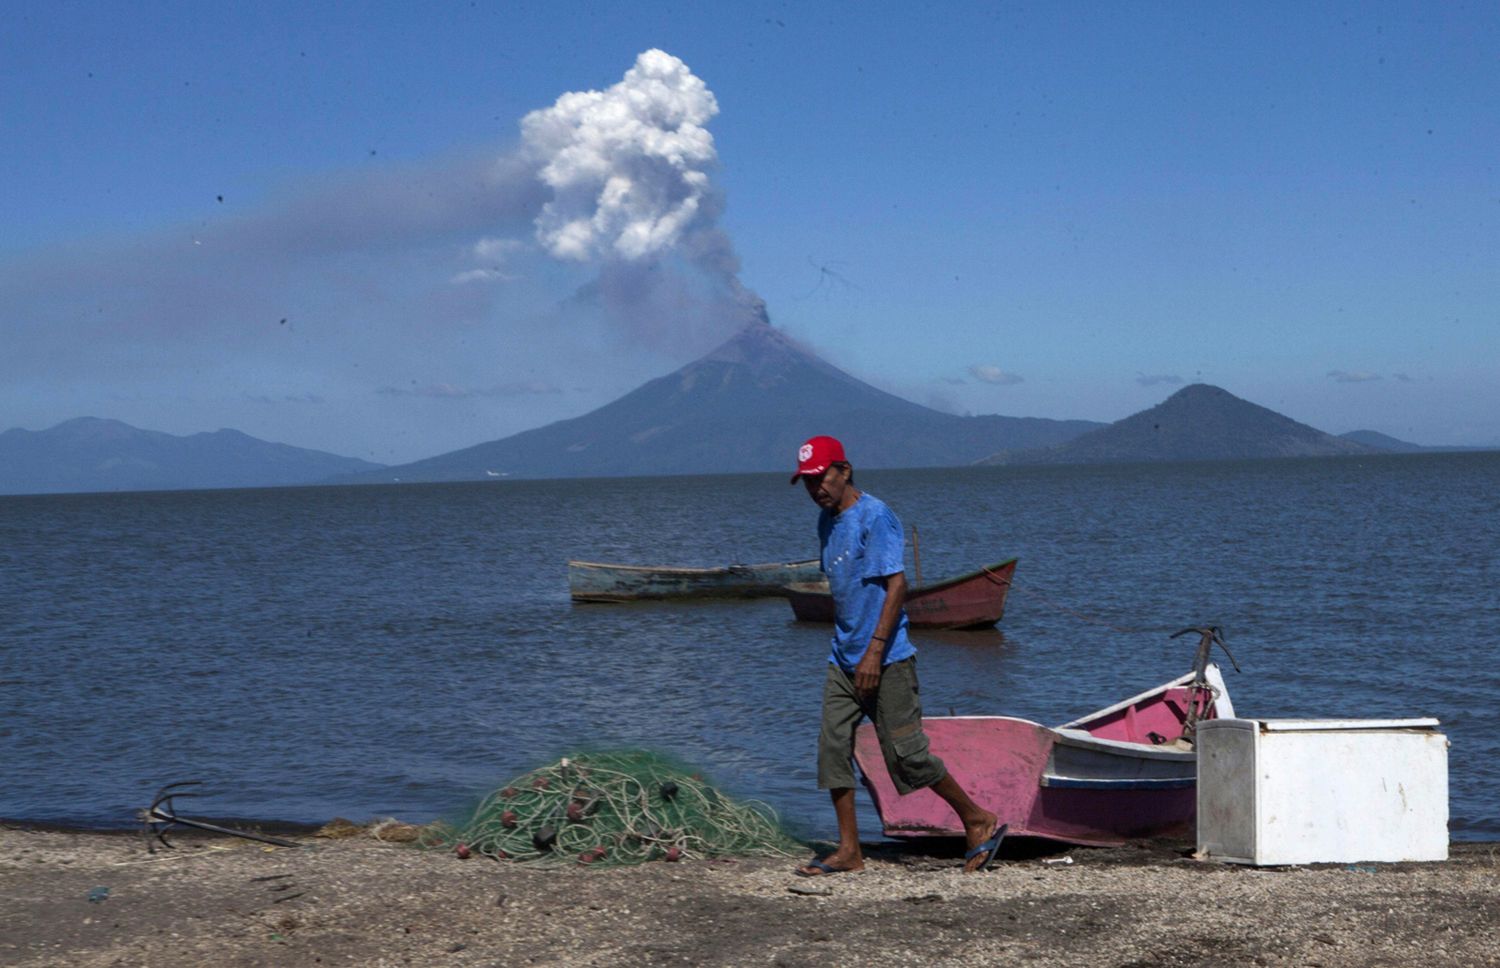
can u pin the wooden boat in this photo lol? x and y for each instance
(972, 601)
(592, 581)
(1126, 771)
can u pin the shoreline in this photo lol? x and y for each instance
(356, 899)
(289, 828)
(1029, 846)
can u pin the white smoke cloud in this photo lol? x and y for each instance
(624, 176)
(1352, 376)
(628, 166)
(629, 170)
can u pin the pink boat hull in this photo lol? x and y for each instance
(1109, 778)
(972, 601)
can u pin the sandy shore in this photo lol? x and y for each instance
(363, 901)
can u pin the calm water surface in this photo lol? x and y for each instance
(381, 651)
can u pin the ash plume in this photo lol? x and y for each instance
(423, 253)
(629, 169)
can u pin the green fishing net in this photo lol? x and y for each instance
(612, 809)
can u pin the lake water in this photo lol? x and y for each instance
(379, 651)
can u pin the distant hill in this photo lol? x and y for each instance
(743, 407)
(90, 454)
(1198, 422)
(1380, 441)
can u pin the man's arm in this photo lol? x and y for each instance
(867, 671)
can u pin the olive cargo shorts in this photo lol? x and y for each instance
(898, 724)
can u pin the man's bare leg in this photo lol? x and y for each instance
(979, 824)
(847, 856)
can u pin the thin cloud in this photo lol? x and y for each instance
(481, 275)
(1352, 376)
(940, 401)
(497, 250)
(1159, 379)
(449, 391)
(286, 398)
(987, 373)
(493, 256)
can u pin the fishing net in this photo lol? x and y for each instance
(612, 809)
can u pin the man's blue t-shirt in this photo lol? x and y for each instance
(860, 546)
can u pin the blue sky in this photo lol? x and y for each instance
(318, 223)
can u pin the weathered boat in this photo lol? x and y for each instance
(1126, 771)
(972, 601)
(593, 581)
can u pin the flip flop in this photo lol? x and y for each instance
(992, 846)
(823, 869)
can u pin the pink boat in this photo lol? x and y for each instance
(1127, 771)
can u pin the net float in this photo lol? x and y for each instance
(544, 838)
(462, 851)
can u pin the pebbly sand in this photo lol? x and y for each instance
(359, 900)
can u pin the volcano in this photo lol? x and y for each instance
(742, 408)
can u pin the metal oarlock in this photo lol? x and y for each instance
(161, 816)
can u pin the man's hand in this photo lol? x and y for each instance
(867, 671)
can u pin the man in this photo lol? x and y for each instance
(872, 666)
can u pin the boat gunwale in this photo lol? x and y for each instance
(1223, 707)
(821, 588)
(688, 570)
(982, 571)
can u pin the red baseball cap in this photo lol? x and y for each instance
(814, 456)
